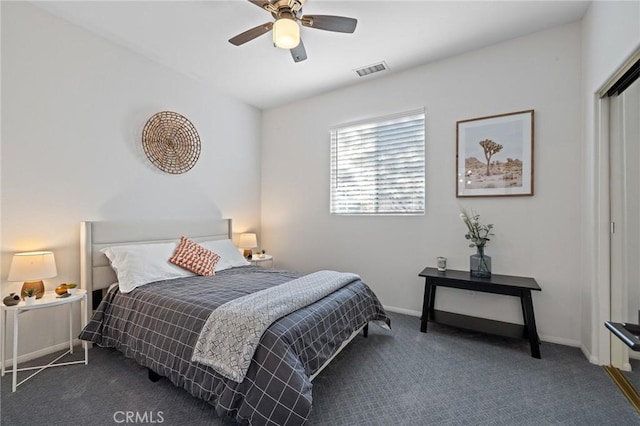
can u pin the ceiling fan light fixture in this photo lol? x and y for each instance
(288, 21)
(286, 33)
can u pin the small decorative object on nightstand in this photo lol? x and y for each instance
(29, 295)
(11, 300)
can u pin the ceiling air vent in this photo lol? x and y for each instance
(371, 69)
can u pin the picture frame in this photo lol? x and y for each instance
(494, 155)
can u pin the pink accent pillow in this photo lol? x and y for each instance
(194, 257)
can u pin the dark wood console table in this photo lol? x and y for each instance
(498, 284)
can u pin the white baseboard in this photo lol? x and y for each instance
(42, 352)
(403, 311)
(592, 358)
(561, 341)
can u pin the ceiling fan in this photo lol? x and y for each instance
(286, 31)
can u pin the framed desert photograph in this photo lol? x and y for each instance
(494, 155)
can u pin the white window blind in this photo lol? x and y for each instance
(377, 167)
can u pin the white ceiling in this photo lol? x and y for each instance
(192, 37)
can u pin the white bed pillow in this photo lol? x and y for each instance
(230, 257)
(140, 264)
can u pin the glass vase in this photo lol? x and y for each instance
(480, 264)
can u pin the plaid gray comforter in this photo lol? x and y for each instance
(232, 332)
(158, 325)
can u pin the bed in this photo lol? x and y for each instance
(159, 324)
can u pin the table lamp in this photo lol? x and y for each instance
(247, 242)
(32, 268)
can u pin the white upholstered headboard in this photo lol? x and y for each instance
(95, 271)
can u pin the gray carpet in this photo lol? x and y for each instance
(402, 377)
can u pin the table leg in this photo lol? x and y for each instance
(425, 307)
(427, 304)
(4, 340)
(432, 300)
(525, 331)
(15, 350)
(84, 323)
(70, 328)
(530, 323)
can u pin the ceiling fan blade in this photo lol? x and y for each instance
(338, 24)
(251, 34)
(260, 3)
(299, 53)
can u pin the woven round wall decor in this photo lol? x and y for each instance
(171, 142)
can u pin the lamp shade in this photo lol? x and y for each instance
(248, 240)
(286, 33)
(32, 266)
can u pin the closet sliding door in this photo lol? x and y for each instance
(624, 133)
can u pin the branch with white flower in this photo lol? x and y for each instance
(478, 234)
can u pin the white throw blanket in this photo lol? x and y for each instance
(232, 332)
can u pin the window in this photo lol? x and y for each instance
(377, 166)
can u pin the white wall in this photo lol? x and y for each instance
(536, 236)
(610, 35)
(73, 108)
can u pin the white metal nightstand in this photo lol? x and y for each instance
(49, 300)
(257, 260)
